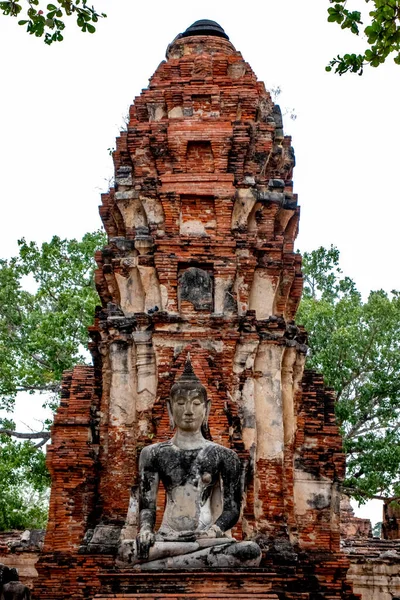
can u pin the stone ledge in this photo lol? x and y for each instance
(240, 584)
(196, 596)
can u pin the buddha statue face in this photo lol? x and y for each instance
(188, 406)
(188, 409)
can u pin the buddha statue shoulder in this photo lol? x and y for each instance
(10, 586)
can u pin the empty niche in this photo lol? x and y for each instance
(195, 287)
(262, 293)
(199, 157)
(197, 215)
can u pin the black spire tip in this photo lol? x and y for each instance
(188, 374)
(205, 27)
(188, 381)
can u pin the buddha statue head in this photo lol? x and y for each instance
(188, 406)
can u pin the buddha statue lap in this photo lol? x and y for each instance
(203, 493)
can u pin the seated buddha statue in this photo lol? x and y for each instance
(202, 481)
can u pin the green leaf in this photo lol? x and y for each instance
(44, 25)
(383, 34)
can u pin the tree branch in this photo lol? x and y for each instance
(357, 427)
(53, 387)
(360, 370)
(39, 435)
(39, 360)
(42, 442)
(350, 491)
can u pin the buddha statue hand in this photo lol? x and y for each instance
(212, 532)
(144, 541)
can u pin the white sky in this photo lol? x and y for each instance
(61, 108)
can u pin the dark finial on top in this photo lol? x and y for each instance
(188, 381)
(188, 374)
(205, 27)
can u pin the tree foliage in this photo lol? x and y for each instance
(43, 331)
(47, 301)
(377, 529)
(24, 483)
(382, 34)
(356, 345)
(49, 21)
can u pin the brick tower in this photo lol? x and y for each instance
(201, 224)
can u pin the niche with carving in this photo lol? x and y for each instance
(195, 288)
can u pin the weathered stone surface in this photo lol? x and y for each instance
(195, 286)
(104, 539)
(374, 567)
(204, 188)
(20, 550)
(10, 586)
(15, 590)
(220, 556)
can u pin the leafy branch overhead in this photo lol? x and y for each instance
(356, 345)
(382, 34)
(49, 21)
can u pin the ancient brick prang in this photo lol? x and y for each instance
(201, 225)
(350, 525)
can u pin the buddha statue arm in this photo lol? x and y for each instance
(149, 481)
(232, 493)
